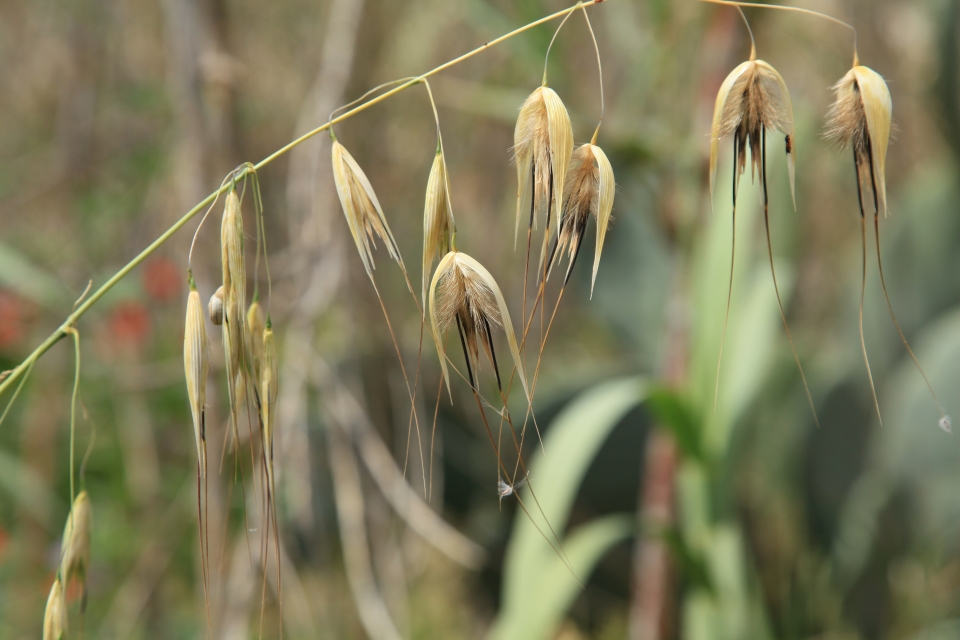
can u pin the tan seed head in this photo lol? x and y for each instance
(55, 615)
(196, 364)
(464, 293)
(438, 224)
(753, 99)
(589, 191)
(269, 390)
(255, 327)
(361, 208)
(75, 555)
(861, 117)
(542, 146)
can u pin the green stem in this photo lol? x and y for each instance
(71, 320)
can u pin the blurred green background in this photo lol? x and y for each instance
(682, 521)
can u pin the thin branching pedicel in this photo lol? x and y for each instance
(861, 118)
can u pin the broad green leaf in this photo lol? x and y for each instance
(542, 609)
(571, 444)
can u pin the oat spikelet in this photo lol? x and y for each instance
(75, 555)
(255, 328)
(752, 99)
(234, 285)
(438, 223)
(464, 293)
(589, 191)
(361, 208)
(861, 118)
(542, 146)
(55, 615)
(196, 364)
(269, 389)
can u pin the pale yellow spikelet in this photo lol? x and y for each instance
(861, 117)
(255, 328)
(234, 284)
(196, 364)
(269, 390)
(75, 554)
(753, 99)
(464, 293)
(438, 224)
(232, 250)
(542, 146)
(215, 307)
(55, 615)
(361, 208)
(608, 189)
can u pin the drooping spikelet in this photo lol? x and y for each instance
(215, 307)
(438, 224)
(196, 364)
(753, 98)
(542, 146)
(861, 118)
(361, 208)
(269, 389)
(464, 293)
(255, 327)
(589, 191)
(75, 555)
(55, 615)
(234, 284)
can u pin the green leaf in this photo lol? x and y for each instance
(679, 417)
(538, 587)
(542, 609)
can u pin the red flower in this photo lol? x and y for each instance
(162, 280)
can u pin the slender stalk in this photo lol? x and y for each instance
(809, 12)
(71, 320)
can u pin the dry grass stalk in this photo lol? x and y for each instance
(464, 293)
(55, 615)
(438, 224)
(196, 364)
(361, 208)
(542, 146)
(75, 555)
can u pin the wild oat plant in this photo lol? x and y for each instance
(561, 186)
